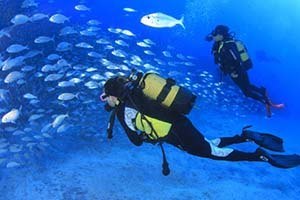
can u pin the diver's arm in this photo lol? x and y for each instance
(214, 52)
(232, 59)
(222, 58)
(232, 52)
(133, 136)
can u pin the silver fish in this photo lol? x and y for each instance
(94, 54)
(11, 116)
(84, 45)
(129, 10)
(29, 96)
(53, 57)
(29, 3)
(68, 30)
(58, 120)
(128, 33)
(121, 43)
(93, 22)
(161, 20)
(92, 85)
(81, 7)
(67, 96)
(88, 33)
(19, 19)
(43, 39)
(16, 48)
(53, 77)
(64, 46)
(38, 16)
(13, 76)
(66, 84)
(143, 44)
(119, 53)
(58, 19)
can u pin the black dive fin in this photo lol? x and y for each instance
(264, 140)
(281, 161)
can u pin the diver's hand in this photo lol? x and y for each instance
(146, 139)
(234, 74)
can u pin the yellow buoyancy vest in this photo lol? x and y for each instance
(154, 128)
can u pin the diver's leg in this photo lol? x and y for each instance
(230, 154)
(242, 81)
(258, 93)
(226, 141)
(192, 141)
(261, 95)
(261, 92)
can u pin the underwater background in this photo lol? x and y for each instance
(57, 147)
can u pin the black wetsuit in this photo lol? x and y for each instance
(183, 134)
(228, 58)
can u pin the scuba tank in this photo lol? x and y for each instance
(164, 91)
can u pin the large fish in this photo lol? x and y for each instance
(161, 20)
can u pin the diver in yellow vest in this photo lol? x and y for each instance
(144, 120)
(232, 57)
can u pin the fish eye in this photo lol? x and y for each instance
(148, 17)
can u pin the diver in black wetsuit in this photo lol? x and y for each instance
(232, 57)
(144, 120)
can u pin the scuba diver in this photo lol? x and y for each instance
(232, 57)
(152, 109)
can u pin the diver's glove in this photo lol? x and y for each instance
(234, 74)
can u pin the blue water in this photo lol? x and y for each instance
(271, 27)
(38, 161)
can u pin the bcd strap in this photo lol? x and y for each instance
(166, 89)
(165, 165)
(111, 123)
(142, 79)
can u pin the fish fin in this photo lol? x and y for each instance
(43, 54)
(77, 95)
(7, 34)
(20, 108)
(180, 22)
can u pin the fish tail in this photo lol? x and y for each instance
(180, 22)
